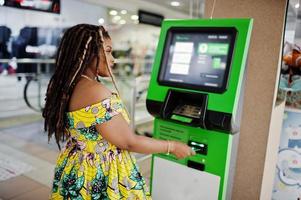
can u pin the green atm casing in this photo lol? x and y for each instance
(220, 114)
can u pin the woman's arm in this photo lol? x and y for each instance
(118, 132)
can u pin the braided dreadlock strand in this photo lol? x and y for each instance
(81, 60)
(100, 32)
(66, 96)
(61, 73)
(101, 29)
(77, 49)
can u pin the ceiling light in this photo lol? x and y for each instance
(175, 3)
(113, 12)
(123, 12)
(297, 5)
(134, 17)
(122, 21)
(116, 18)
(2, 2)
(101, 21)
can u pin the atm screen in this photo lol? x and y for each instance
(198, 58)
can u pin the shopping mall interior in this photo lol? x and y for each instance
(269, 127)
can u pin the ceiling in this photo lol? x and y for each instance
(184, 7)
(162, 7)
(190, 9)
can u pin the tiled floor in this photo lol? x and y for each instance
(22, 187)
(28, 143)
(12, 103)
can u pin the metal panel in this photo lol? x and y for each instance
(172, 181)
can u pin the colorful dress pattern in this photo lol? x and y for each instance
(89, 167)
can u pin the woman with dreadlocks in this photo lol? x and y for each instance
(95, 162)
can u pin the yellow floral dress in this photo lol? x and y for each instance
(89, 167)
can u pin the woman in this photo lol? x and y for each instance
(95, 163)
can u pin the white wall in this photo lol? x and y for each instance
(151, 6)
(72, 12)
(141, 37)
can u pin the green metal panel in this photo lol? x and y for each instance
(217, 160)
(225, 102)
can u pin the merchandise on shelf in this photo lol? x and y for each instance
(290, 79)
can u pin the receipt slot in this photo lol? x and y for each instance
(195, 95)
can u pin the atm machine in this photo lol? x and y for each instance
(195, 95)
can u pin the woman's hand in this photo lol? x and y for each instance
(180, 150)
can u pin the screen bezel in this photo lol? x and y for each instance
(206, 30)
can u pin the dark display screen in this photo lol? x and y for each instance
(199, 58)
(40, 5)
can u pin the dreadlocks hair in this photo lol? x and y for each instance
(78, 47)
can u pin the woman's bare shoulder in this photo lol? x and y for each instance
(88, 93)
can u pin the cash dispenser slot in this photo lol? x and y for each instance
(191, 109)
(195, 165)
(185, 107)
